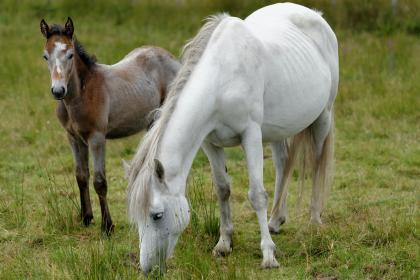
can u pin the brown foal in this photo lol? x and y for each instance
(96, 102)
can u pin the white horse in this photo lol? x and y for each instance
(269, 77)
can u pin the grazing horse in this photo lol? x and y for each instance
(97, 102)
(267, 78)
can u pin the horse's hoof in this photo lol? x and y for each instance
(274, 226)
(273, 229)
(270, 263)
(316, 221)
(222, 249)
(87, 219)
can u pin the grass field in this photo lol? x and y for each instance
(371, 222)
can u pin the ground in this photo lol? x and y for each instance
(370, 228)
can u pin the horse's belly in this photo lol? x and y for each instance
(224, 136)
(292, 103)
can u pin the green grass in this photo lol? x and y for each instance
(370, 229)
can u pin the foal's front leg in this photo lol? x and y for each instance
(97, 148)
(252, 144)
(81, 163)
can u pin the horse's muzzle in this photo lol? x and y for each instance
(58, 92)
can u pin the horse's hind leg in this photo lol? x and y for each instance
(252, 144)
(279, 209)
(97, 147)
(322, 130)
(81, 162)
(221, 180)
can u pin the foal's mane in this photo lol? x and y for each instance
(88, 59)
(143, 164)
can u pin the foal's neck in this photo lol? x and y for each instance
(80, 76)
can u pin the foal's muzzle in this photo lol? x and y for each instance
(58, 92)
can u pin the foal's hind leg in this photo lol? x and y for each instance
(279, 210)
(81, 162)
(252, 144)
(97, 147)
(221, 180)
(321, 129)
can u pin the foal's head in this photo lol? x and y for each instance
(59, 52)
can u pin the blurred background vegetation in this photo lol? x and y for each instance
(382, 16)
(371, 228)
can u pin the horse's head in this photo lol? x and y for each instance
(163, 221)
(59, 52)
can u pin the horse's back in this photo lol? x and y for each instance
(151, 62)
(301, 68)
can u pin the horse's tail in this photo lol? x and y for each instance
(302, 147)
(324, 165)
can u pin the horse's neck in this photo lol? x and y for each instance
(78, 80)
(188, 126)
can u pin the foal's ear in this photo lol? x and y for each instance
(69, 27)
(44, 28)
(159, 171)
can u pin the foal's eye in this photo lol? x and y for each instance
(45, 57)
(70, 56)
(157, 216)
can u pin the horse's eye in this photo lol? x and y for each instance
(45, 57)
(70, 56)
(157, 216)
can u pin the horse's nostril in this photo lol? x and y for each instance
(59, 92)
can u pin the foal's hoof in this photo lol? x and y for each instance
(87, 219)
(270, 263)
(108, 228)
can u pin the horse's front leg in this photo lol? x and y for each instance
(221, 180)
(81, 163)
(252, 144)
(97, 148)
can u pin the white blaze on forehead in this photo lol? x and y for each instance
(58, 65)
(60, 46)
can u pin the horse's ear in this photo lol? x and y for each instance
(69, 27)
(45, 29)
(159, 171)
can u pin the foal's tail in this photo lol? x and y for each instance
(301, 148)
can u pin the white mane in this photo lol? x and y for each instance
(143, 166)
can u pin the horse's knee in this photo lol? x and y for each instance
(223, 191)
(100, 184)
(258, 199)
(82, 177)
